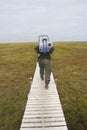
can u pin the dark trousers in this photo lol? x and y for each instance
(45, 68)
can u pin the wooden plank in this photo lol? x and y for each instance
(43, 106)
(51, 88)
(37, 89)
(45, 115)
(45, 124)
(43, 112)
(46, 98)
(47, 95)
(45, 103)
(33, 102)
(43, 100)
(44, 109)
(43, 92)
(38, 120)
(48, 128)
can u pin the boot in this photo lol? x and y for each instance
(46, 84)
(42, 77)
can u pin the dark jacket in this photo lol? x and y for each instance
(42, 55)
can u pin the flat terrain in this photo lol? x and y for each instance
(69, 66)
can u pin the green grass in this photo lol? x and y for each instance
(69, 66)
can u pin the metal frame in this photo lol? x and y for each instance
(43, 36)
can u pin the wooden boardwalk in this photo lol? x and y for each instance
(43, 109)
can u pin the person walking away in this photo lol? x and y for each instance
(44, 60)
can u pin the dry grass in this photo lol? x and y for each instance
(17, 64)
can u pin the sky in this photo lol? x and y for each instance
(25, 20)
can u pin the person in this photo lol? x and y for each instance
(44, 63)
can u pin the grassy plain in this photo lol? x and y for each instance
(69, 66)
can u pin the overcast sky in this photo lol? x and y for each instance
(61, 20)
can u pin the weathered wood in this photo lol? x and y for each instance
(43, 112)
(48, 115)
(38, 120)
(45, 124)
(43, 108)
(48, 128)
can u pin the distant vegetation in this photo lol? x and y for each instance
(69, 66)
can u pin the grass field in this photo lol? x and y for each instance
(69, 66)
